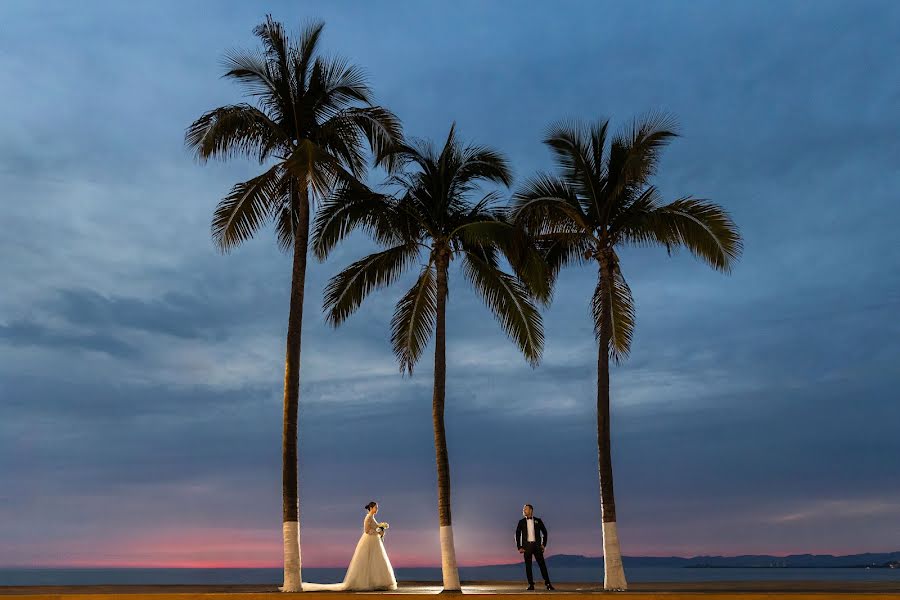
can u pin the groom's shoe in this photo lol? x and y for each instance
(530, 588)
(550, 586)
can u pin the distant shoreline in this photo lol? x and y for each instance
(888, 566)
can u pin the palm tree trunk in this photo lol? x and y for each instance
(289, 467)
(613, 570)
(448, 551)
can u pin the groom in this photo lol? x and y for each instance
(531, 539)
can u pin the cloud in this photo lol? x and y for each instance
(175, 314)
(841, 509)
(26, 333)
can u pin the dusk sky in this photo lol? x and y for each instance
(141, 370)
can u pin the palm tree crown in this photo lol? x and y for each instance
(432, 214)
(602, 199)
(312, 118)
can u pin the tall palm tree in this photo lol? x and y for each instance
(432, 216)
(309, 127)
(602, 200)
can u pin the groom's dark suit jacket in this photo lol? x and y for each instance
(540, 533)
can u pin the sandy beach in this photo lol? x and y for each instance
(749, 590)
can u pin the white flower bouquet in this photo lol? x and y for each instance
(382, 528)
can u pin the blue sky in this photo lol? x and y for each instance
(140, 370)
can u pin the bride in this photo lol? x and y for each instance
(370, 568)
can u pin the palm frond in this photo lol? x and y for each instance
(338, 85)
(640, 202)
(414, 320)
(570, 143)
(286, 222)
(546, 204)
(354, 206)
(251, 70)
(483, 232)
(638, 150)
(418, 152)
(342, 139)
(563, 249)
(306, 52)
(597, 134)
(508, 299)
(489, 207)
(246, 208)
(479, 163)
(518, 247)
(346, 290)
(277, 52)
(704, 228)
(379, 126)
(235, 130)
(449, 148)
(317, 168)
(615, 298)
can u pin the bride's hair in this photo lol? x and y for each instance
(370, 505)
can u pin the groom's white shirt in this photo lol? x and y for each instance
(530, 523)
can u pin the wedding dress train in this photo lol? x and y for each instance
(370, 568)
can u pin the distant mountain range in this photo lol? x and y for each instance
(872, 560)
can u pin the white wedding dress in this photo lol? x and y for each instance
(370, 568)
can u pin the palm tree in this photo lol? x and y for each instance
(309, 126)
(432, 214)
(600, 201)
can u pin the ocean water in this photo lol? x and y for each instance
(503, 573)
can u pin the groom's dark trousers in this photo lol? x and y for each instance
(533, 549)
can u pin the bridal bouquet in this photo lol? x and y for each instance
(382, 528)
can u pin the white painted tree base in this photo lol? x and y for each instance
(291, 536)
(613, 570)
(448, 560)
